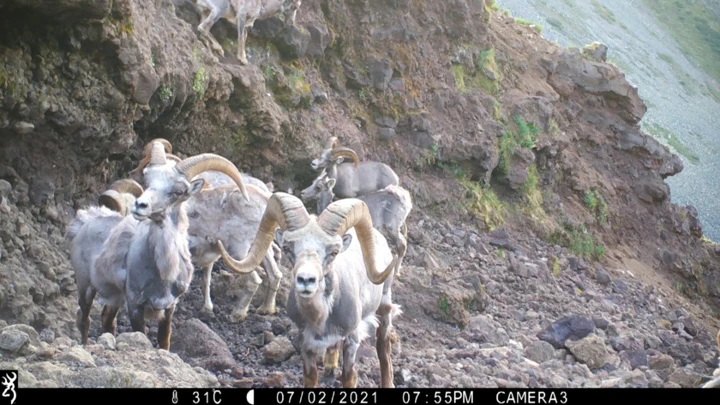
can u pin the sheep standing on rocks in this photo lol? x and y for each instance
(219, 212)
(243, 13)
(141, 261)
(339, 292)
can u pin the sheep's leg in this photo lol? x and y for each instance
(349, 374)
(165, 328)
(137, 318)
(85, 300)
(216, 12)
(109, 319)
(402, 250)
(206, 276)
(242, 26)
(274, 276)
(330, 362)
(310, 375)
(383, 345)
(247, 294)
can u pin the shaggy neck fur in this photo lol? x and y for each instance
(316, 309)
(169, 240)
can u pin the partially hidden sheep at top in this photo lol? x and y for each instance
(219, 212)
(342, 277)
(141, 262)
(353, 179)
(243, 13)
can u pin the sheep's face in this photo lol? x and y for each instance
(323, 161)
(310, 252)
(321, 190)
(164, 188)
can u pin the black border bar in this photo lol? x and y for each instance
(360, 396)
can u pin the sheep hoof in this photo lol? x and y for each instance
(238, 315)
(208, 308)
(266, 310)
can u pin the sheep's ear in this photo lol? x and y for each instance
(339, 160)
(331, 183)
(347, 239)
(196, 186)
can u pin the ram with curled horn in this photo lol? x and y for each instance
(121, 196)
(219, 212)
(342, 276)
(388, 207)
(356, 178)
(141, 261)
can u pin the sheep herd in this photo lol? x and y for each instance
(137, 249)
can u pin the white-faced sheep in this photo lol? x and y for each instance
(243, 13)
(339, 291)
(388, 207)
(141, 261)
(356, 178)
(219, 212)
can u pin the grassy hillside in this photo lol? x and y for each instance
(696, 28)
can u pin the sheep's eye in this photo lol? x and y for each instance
(179, 193)
(333, 254)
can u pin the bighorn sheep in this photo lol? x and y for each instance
(220, 212)
(212, 178)
(357, 178)
(388, 207)
(338, 292)
(141, 261)
(243, 13)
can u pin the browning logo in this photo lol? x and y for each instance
(9, 381)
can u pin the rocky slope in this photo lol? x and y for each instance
(544, 250)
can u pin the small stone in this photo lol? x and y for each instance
(133, 340)
(13, 340)
(76, 355)
(278, 350)
(107, 340)
(540, 351)
(47, 335)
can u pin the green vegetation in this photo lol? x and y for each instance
(535, 26)
(525, 137)
(685, 80)
(579, 242)
(695, 27)
(289, 85)
(199, 82)
(443, 306)
(595, 202)
(604, 12)
(485, 76)
(482, 203)
(672, 140)
(556, 23)
(165, 93)
(556, 266)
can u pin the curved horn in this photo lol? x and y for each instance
(332, 143)
(347, 213)
(283, 210)
(195, 165)
(112, 200)
(157, 154)
(346, 152)
(112, 197)
(127, 186)
(148, 146)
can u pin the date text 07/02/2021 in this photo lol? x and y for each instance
(418, 397)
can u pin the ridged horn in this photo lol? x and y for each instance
(332, 143)
(346, 152)
(157, 154)
(283, 210)
(112, 198)
(146, 151)
(347, 213)
(195, 165)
